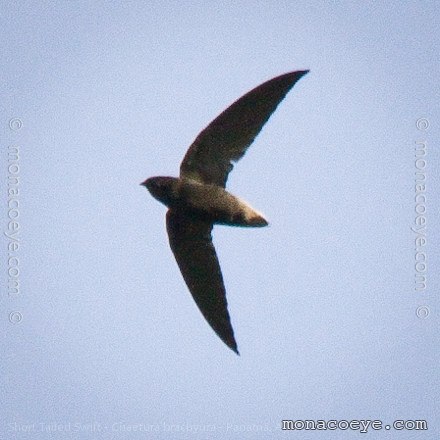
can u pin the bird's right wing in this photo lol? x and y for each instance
(228, 136)
(191, 243)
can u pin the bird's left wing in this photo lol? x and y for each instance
(228, 136)
(191, 242)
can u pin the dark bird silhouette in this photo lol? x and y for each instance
(197, 199)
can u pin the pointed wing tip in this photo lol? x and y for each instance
(230, 342)
(299, 74)
(235, 350)
(290, 77)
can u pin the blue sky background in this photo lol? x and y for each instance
(322, 301)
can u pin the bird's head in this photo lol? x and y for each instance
(162, 188)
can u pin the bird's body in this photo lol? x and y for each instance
(203, 201)
(198, 200)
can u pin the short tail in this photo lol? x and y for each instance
(257, 221)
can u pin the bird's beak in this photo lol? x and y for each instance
(143, 183)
